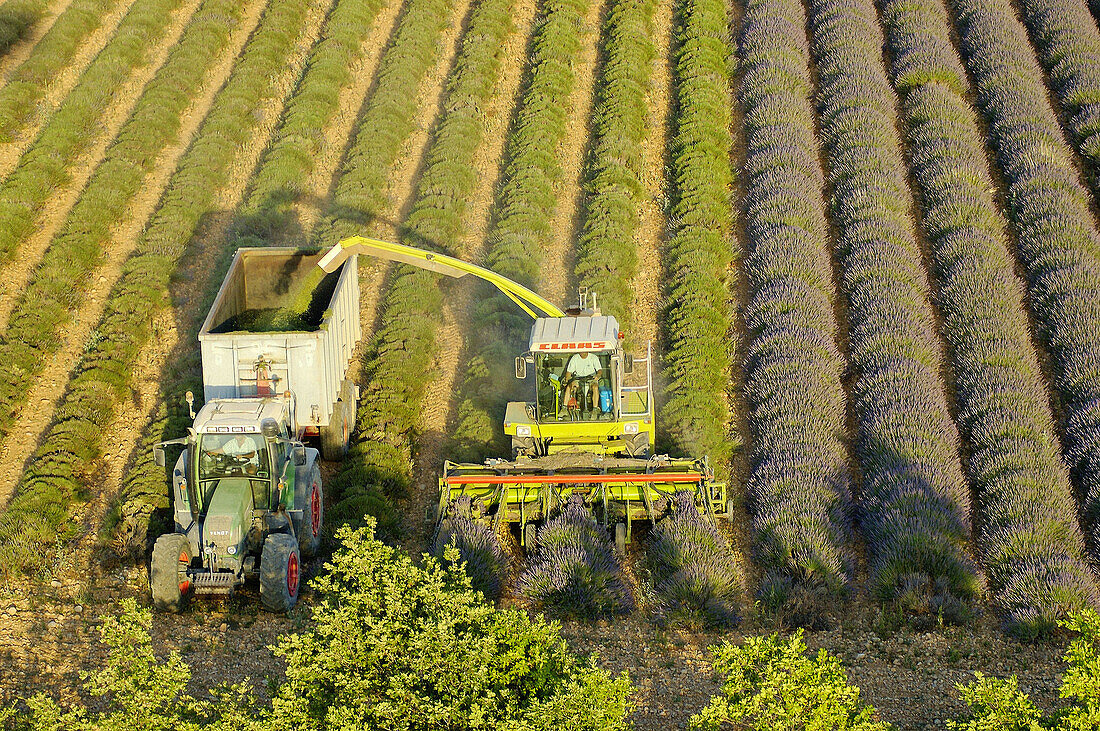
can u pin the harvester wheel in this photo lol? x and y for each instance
(280, 573)
(312, 501)
(168, 579)
(530, 538)
(620, 537)
(731, 509)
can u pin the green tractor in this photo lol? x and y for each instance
(246, 491)
(247, 503)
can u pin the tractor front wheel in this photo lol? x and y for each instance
(168, 580)
(280, 573)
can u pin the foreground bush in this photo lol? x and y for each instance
(391, 646)
(999, 704)
(771, 685)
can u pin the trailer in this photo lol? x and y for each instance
(244, 356)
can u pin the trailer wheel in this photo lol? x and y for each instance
(313, 513)
(280, 573)
(336, 437)
(620, 538)
(168, 580)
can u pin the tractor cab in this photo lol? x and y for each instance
(588, 394)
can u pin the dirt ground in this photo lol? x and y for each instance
(49, 637)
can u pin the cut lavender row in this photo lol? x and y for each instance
(798, 487)
(1004, 414)
(915, 503)
(696, 317)
(1057, 239)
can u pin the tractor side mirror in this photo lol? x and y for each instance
(521, 367)
(298, 454)
(628, 363)
(158, 456)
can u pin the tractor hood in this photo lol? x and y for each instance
(575, 334)
(227, 516)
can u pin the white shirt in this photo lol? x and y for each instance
(582, 365)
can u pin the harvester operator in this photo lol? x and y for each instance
(580, 371)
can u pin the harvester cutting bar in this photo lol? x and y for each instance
(568, 479)
(615, 488)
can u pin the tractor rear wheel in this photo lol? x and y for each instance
(168, 580)
(280, 573)
(311, 500)
(337, 435)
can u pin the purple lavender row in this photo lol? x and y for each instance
(692, 568)
(1003, 410)
(1057, 239)
(799, 486)
(915, 506)
(575, 570)
(1068, 42)
(479, 551)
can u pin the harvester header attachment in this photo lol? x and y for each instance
(618, 490)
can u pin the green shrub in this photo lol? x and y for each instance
(391, 646)
(400, 646)
(999, 704)
(771, 685)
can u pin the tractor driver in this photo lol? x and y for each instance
(244, 447)
(580, 371)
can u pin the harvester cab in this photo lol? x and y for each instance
(587, 431)
(589, 395)
(247, 503)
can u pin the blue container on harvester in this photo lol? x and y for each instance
(605, 400)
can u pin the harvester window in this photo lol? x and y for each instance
(575, 387)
